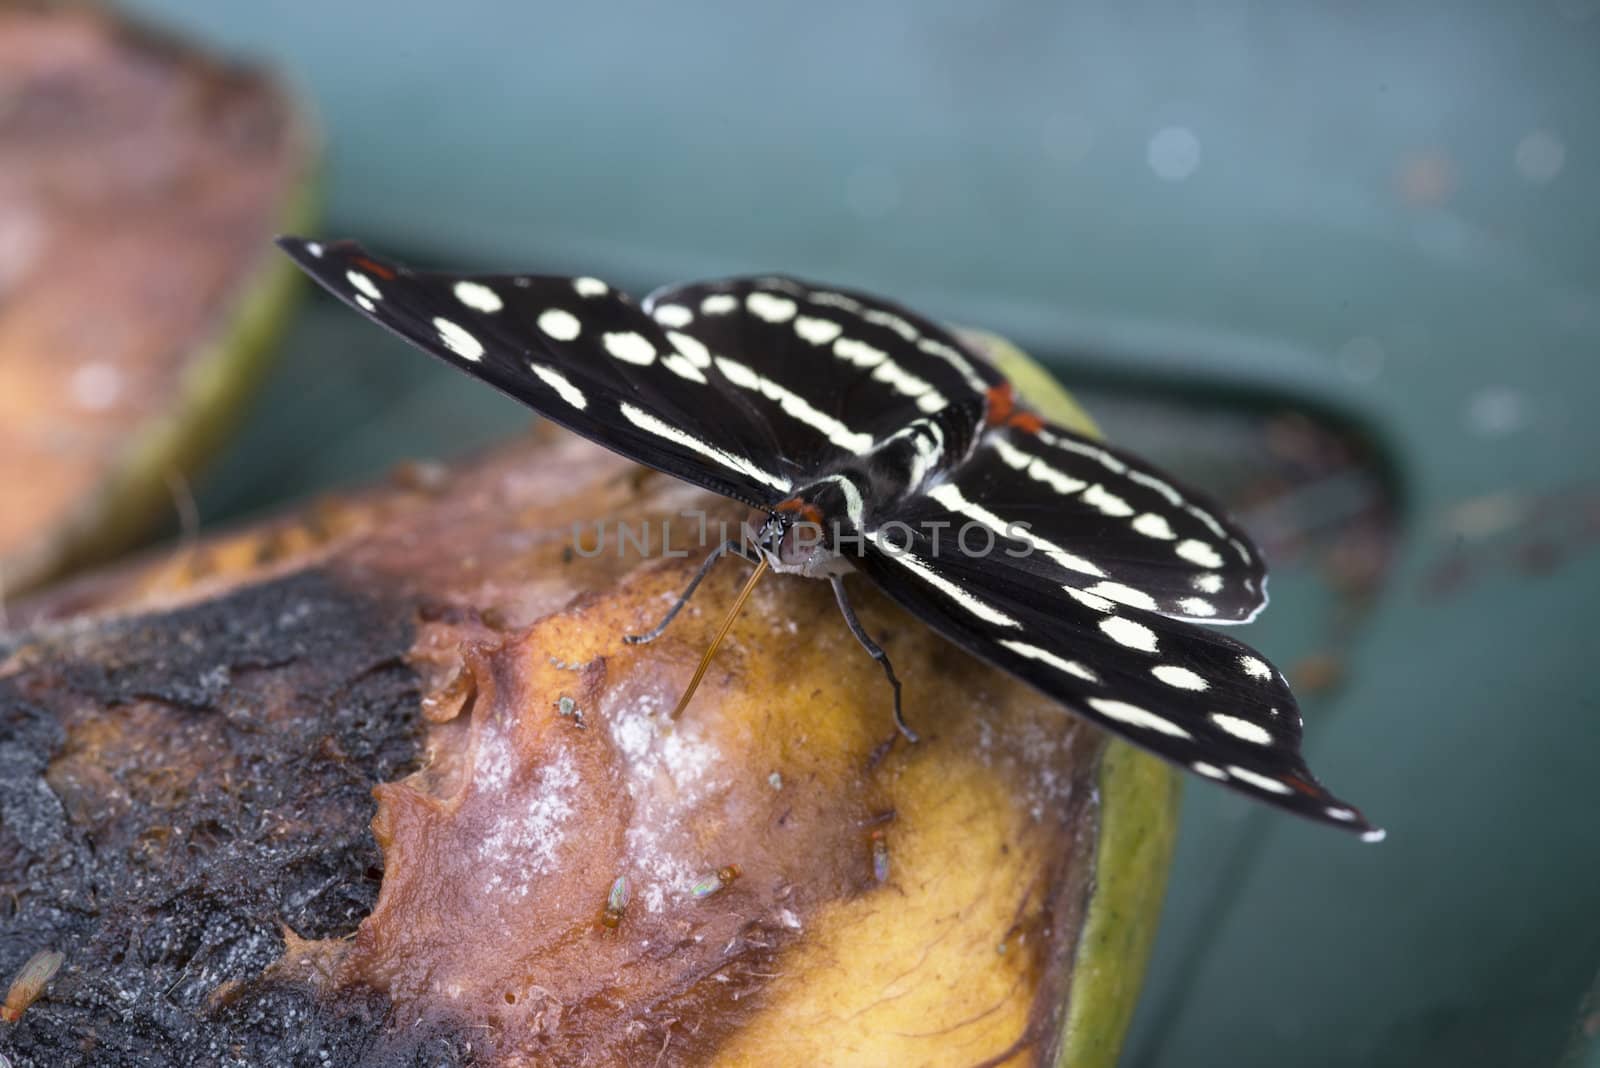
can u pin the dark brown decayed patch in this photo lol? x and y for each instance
(178, 789)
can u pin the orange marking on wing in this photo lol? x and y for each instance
(1026, 422)
(1303, 786)
(374, 267)
(999, 404)
(804, 509)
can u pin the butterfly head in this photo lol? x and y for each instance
(800, 538)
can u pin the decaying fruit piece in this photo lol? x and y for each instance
(567, 876)
(139, 187)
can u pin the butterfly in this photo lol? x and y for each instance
(876, 441)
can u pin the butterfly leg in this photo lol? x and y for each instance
(875, 651)
(732, 545)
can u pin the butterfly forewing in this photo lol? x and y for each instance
(1195, 697)
(576, 351)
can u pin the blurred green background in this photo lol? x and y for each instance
(1339, 263)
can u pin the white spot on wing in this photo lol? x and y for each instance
(1144, 478)
(690, 346)
(861, 354)
(794, 405)
(630, 347)
(1210, 582)
(960, 596)
(1198, 552)
(739, 374)
(1094, 452)
(1340, 813)
(1210, 771)
(366, 305)
(858, 352)
(673, 315)
(1125, 594)
(952, 356)
(458, 340)
(854, 504)
(1038, 470)
(880, 317)
(1181, 677)
(1260, 782)
(1127, 632)
(1207, 518)
(1089, 600)
(1154, 526)
(1198, 606)
(1135, 716)
(816, 331)
(683, 368)
(1033, 652)
(590, 287)
(363, 284)
(718, 304)
(1255, 668)
(1242, 729)
(836, 300)
(909, 384)
(1096, 496)
(561, 325)
(558, 382)
(782, 285)
(773, 309)
(477, 296)
(950, 495)
(649, 423)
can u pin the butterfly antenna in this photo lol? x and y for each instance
(722, 632)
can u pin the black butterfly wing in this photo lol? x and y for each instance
(1100, 520)
(833, 372)
(578, 352)
(1192, 696)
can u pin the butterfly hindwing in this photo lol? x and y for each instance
(1099, 519)
(1192, 696)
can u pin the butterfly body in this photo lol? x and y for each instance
(875, 441)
